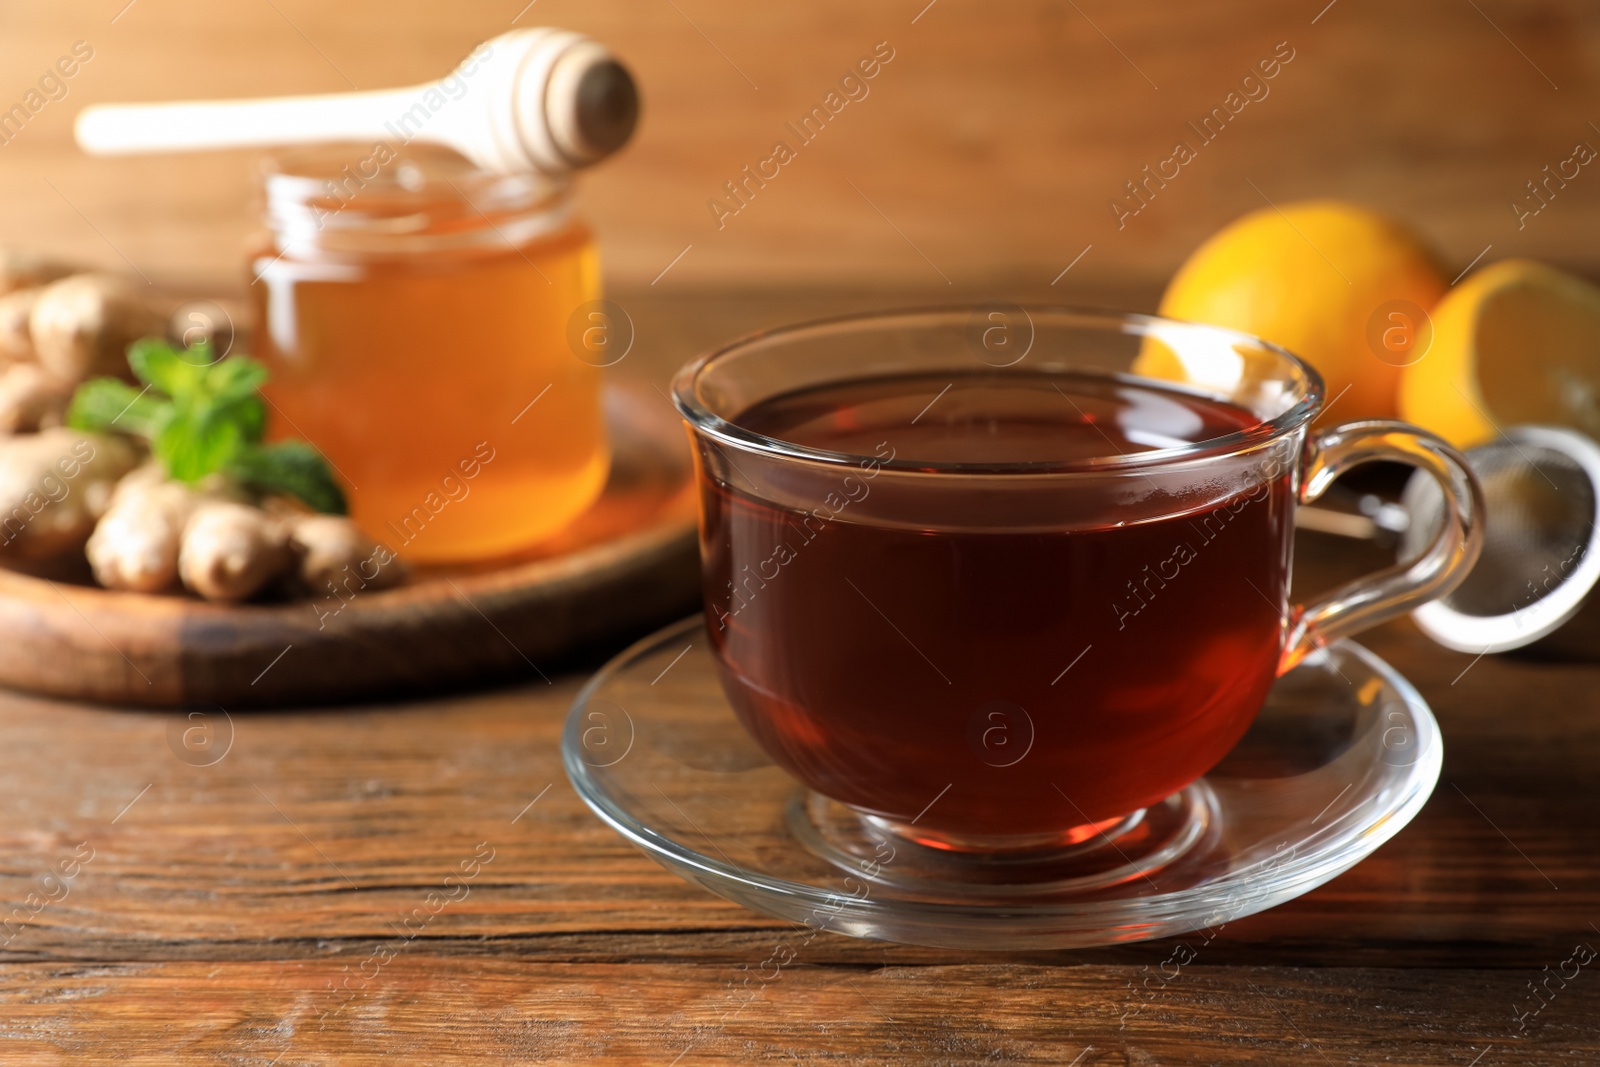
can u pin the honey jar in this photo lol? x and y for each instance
(414, 313)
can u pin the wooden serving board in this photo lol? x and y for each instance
(625, 566)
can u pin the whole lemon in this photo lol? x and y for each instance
(1342, 287)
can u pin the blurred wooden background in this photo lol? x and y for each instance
(986, 152)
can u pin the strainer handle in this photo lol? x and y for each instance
(1395, 590)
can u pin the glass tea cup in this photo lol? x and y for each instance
(970, 577)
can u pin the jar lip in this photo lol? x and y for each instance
(378, 199)
(407, 172)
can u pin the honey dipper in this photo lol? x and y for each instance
(529, 100)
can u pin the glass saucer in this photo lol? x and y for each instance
(1342, 756)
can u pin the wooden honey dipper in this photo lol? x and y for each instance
(529, 100)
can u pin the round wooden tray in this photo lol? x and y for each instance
(627, 565)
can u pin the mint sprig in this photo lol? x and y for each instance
(201, 416)
(293, 468)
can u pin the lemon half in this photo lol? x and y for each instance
(1516, 343)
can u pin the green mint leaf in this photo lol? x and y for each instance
(230, 391)
(293, 468)
(191, 445)
(215, 409)
(230, 380)
(160, 366)
(248, 413)
(211, 419)
(111, 406)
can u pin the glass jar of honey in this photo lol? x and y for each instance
(413, 312)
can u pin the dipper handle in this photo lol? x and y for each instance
(529, 100)
(123, 129)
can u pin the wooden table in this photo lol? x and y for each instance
(288, 904)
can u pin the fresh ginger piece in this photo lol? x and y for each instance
(332, 551)
(231, 551)
(82, 326)
(191, 516)
(24, 270)
(54, 486)
(16, 338)
(135, 546)
(30, 399)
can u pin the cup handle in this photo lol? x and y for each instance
(1394, 590)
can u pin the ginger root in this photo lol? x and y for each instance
(157, 531)
(135, 546)
(54, 486)
(30, 399)
(230, 551)
(82, 325)
(216, 509)
(16, 342)
(332, 551)
(24, 270)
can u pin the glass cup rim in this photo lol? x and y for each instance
(707, 422)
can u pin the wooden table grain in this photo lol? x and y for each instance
(417, 882)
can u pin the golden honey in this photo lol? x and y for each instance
(416, 324)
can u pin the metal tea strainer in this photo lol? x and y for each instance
(1539, 561)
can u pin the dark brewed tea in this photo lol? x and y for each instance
(1032, 679)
